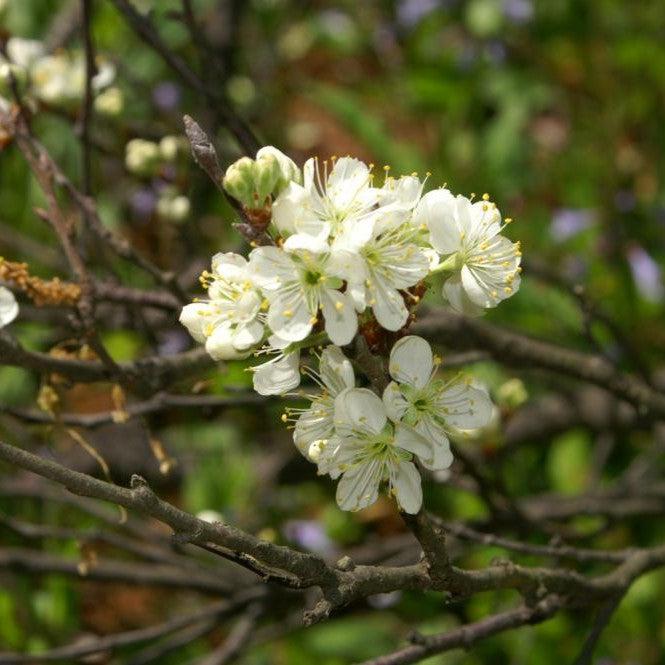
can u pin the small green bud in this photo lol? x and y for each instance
(512, 393)
(266, 176)
(238, 181)
(288, 169)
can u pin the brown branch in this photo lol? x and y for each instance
(517, 350)
(466, 636)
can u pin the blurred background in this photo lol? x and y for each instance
(553, 107)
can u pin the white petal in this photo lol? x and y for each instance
(346, 265)
(277, 378)
(220, 345)
(315, 242)
(411, 361)
(481, 294)
(230, 265)
(8, 307)
(359, 486)
(464, 406)
(288, 207)
(454, 293)
(346, 181)
(198, 318)
(336, 370)
(359, 409)
(395, 403)
(405, 485)
(387, 304)
(271, 267)
(315, 424)
(289, 316)
(434, 454)
(436, 210)
(341, 320)
(248, 335)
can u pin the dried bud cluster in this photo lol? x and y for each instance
(40, 291)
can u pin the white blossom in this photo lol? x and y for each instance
(8, 307)
(367, 450)
(315, 425)
(389, 262)
(230, 321)
(484, 264)
(281, 373)
(301, 280)
(434, 408)
(328, 198)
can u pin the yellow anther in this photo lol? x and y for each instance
(313, 321)
(284, 418)
(508, 220)
(486, 197)
(288, 313)
(339, 306)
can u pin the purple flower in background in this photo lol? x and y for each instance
(411, 12)
(647, 274)
(568, 222)
(143, 202)
(309, 535)
(166, 96)
(624, 200)
(496, 52)
(518, 11)
(172, 342)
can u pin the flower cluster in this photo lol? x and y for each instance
(55, 79)
(339, 254)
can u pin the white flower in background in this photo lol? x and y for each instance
(389, 262)
(281, 373)
(434, 408)
(24, 52)
(298, 281)
(8, 307)
(230, 321)
(485, 264)
(315, 425)
(59, 79)
(367, 450)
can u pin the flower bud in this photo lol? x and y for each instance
(110, 102)
(287, 167)
(173, 208)
(266, 176)
(512, 393)
(172, 146)
(238, 181)
(142, 157)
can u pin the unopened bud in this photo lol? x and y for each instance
(238, 181)
(110, 102)
(142, 157)
(288, 170)
(173, 208)
(173, 146)
(266, 176)
(512, 393)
